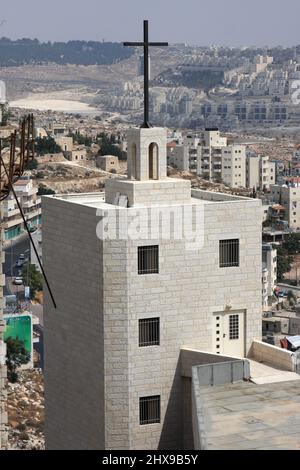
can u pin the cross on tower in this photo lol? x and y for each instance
(146, 44)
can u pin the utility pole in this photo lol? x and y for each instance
(3, 372)
(11, 259)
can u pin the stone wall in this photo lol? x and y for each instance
(73, 333)
(95, 371)
(282, 358)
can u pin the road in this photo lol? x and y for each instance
(12, 253)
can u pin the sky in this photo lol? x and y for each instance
(202, 22)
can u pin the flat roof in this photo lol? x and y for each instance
(249, 416)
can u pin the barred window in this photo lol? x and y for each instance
(233, 327)
(149, 332)
(148, 259)
(150, 409)
(229, 253)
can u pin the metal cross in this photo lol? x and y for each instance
(146, 44)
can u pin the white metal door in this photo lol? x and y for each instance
(229, 333)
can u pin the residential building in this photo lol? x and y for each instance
(126, 290)
(233, 166)
(66, 143)
(108, 162)
(217, 160)
(76, 154)
(289, 198)
(179, 158)
(269, 273)
(260, 172)
(30, 203)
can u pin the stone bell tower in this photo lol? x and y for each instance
(146, 154)
(147, 182)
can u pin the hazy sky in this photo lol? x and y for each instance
(204, 22)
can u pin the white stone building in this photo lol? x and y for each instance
(269, 273)
(260, 172)
(233, 168)
(138, 273)
(31, 205)
(289, 198)
(76, 154)
(179, 158)
(108, 162)
(217, 160)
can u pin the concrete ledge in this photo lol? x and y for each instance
(278, 357)
(192, 357)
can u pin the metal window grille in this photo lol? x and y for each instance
(229, 253)
(233, 327)
(149, 332)
(150, 409)
(148, 259)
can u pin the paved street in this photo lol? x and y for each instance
(12, 253)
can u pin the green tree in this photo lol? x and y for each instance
(32, 164)
(33, 278)
(45, 145)
(43, 190)
(81, 139)
(16, 356)
(284, 262)
(292, 243)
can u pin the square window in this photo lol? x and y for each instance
(149, 334)
(229, 253)
(150, 409)
(148, 259)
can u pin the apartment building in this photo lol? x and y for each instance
(220, 161)
(31, 204)
(260, 172)
(289, 198)
(127, 300)
(269, 273)
(233, 167)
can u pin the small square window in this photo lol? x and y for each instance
(149, 332)
(148, 259)
(150, 409)
(229, 253)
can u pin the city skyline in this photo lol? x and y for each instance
(191, 22)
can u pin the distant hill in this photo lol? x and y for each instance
(31, 51)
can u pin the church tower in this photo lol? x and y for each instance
(146, 154)
(132, 302)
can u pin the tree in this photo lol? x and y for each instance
(32, 164)
(45, 145)
(16, 355)
(81, 139)
(43, 190)
(284, 262)
(292, 243)
(34, 279)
